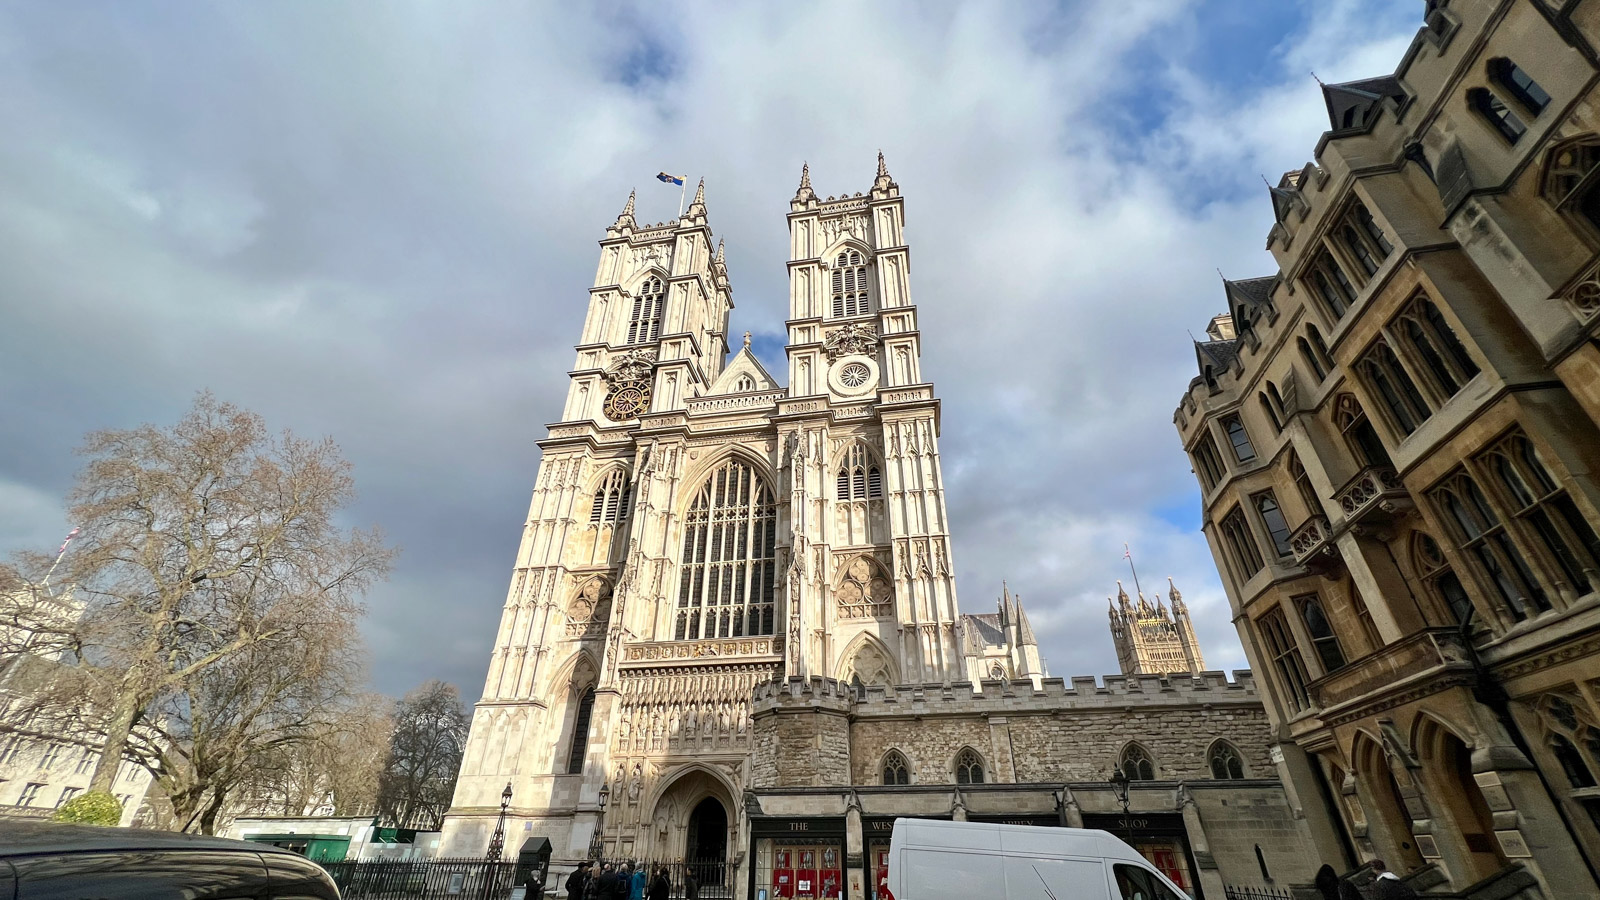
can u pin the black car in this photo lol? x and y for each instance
(44, 861)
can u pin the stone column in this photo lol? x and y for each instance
(855, 852)
(1210, 876)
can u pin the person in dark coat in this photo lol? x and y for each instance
(1388, 886)
(1327, 882)
(660, 886)
(577, 881)
(691, 884)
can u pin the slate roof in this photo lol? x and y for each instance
(987, 627)
(1350, 103)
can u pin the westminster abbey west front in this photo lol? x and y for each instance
(701, 535)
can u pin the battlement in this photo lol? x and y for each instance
(1086, 692)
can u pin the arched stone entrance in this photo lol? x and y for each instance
(706, 848)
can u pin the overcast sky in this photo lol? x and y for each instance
(378, 221)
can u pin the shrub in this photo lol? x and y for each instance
(93, 808)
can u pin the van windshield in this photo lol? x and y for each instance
(1135, 883)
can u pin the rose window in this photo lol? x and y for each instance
(854, 375)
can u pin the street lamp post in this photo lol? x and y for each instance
(497, 841)
(1119, 786)
(596, 845)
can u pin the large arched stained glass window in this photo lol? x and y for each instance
(729, 557)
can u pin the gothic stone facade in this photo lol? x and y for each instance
(697, 529)
(1396, 436)
(831, 768)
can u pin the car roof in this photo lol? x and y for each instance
(26, 838)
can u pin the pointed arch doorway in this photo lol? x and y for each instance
(706, 844)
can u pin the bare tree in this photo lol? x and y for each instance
(430, 733)
(219, 600)
(336, 769)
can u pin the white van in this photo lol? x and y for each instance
(931, 859)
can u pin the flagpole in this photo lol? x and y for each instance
(1128, 555)
(682, 188)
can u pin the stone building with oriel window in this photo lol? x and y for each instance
(1396, 435)
(717, 571)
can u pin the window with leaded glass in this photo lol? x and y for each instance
(580, 731)
(1302, 485)
(1225, 761)
(1358, 432)
(1445, 363)
(969, 767)
(1241, 544)
(895, 769)
(1519, 84)
(1572, 737)
(1499, 116)
(1243, 450)
(1572, 178)
(1331, 285)
(645, 325)
(1285, 653)
(1315, 353)
(1548, 517)
(1431, 566)
(1482, 538)
(1390, 381)
(849, 284)
(611, 499)
(1207, 462)
(727, 583)
(1272, 516)
(1321, 631)
(1136, 763)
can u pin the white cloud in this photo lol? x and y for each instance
(379, 223)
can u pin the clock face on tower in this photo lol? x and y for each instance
(627, 401)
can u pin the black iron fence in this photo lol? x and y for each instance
(1247, 892)
(425, 879)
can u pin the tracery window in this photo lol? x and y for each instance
(645, 326)
(1358, 432)
(611, 499)
(1510, 77)
(729, 557)
(1446, 364)
(1243, 450)
(1207, 462)
(1241, 544)
(1272, 517)
(1572, 178)
(1332, 285)
(1548, 518)
(1392, 383)
(859, 478)
(1499, 116)
(864, 593)
(1302, 484)
(1285, 655)
(1482, 538)
(895, 768)
(1431, 566)
(1315, 353)
(1225, 761)
(969, 767)
(849, 285)
(1573, 738)
(1136, 763)
(1321, 631)
(580, 732)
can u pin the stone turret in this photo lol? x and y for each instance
(1151, 638)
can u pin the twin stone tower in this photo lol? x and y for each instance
(697, 529)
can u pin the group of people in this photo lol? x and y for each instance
(626, 881)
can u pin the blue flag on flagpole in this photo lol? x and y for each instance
(664, 178)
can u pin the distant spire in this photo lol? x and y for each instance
(804, 194)
(882, 185)
(627, 208)
(700, 192)
(697, 208)
(883, 170)
(719, 257)
(1176, 597)
(1024, 630)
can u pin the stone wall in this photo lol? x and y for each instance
(814, 732)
